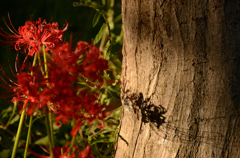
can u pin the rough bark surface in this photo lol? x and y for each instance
(180, 79)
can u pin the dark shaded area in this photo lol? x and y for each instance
(231, 42)
(168, 130)
(150, 112)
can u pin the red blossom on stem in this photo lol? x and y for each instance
(60, 91)
(33, 35)
(92, 66)
(26, 90)
(64, 72)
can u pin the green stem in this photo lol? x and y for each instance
(39, 63)
(72, 144)
(75, 4)
(10, 119)
(28, 136)
(51, 127)
(104, 37)
(45, 61)
(31, 117)
(50, 136)
(49, 115)
(3, 126)
(18, 132)
(34, 62)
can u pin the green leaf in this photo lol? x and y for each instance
(15, 119)
(105, 51)
(5, 112)
(100, 34)
(42, 141)
(96, 19)
(104, 96)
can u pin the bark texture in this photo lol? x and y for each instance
(180, 79)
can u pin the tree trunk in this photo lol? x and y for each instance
(180, 79)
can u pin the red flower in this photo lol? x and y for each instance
(92, 65)
(33, 35)
(87, 153)
(61, 91)
(24, 89)
(28, 90)
(64, 76)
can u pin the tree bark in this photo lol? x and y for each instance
(180, 79)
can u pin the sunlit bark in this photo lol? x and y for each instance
(180, 79)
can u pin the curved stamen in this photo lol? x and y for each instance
(6, 76)
(9, 27)
(11, 23)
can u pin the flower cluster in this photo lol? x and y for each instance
(63, 83)
(61, 90)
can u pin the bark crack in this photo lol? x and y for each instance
(136, 62)
(123, 139)
(153, 82)
(135, 146)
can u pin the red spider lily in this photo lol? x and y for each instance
(86, 153)
(93, 65)
(33, 35)
(67, 87)
(60, 91)
(25, 89)
(63, 73)
(64, 98)
(65, 58)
